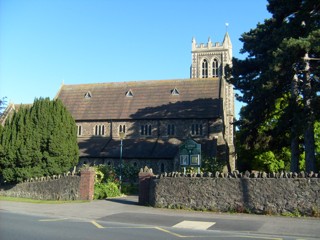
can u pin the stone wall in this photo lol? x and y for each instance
(183, 127)
(64, 188)
(262, 194)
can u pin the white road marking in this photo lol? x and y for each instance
(53, 219)
(198, 225)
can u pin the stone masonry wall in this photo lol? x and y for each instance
(64, 188)
(210, 128)
(262, 195)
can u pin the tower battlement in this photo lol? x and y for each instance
(209, 59)
(206, 46)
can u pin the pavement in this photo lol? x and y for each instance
(126, 210)
(98, 209)
(86, 210)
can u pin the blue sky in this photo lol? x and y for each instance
(46, 42)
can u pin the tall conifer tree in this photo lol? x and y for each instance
(283, 58)
(37, 141)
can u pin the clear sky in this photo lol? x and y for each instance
(44, 43)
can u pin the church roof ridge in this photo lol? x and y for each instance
(134, 83)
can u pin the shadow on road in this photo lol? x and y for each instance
(132, 200)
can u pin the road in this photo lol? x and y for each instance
(122, 219)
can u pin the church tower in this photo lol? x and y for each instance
(209, 61)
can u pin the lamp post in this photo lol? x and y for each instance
(121, 135)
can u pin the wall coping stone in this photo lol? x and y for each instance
(237, 174)
(53, 177)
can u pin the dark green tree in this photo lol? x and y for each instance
(282, 63)
(3, 103)
(38, 141)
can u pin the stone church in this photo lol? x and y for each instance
(153, 118)
(156, 117)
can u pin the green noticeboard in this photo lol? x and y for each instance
(190, 153)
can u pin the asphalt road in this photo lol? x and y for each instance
(119, 219)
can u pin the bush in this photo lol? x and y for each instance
(105, 174)
(107, 181)
(106, 190)
(212, 164)
(129, 172)
(129, 188)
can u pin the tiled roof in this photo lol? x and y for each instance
(136, 148)
(182, 98)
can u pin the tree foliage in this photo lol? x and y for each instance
(278, 81)
(212, 164)
(3, 102)
(38, 141)
(107, 183)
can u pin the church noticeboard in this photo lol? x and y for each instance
(190, 153)
(195, 160)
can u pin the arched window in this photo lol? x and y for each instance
(79, 130)
(99, 130)
(204, 69)
(215, 68)
(122, 128)
(162, 167)
(196, 129)
(146, 130)
(170, 129)
(149, 132)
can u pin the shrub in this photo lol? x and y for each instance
(129, 172)
(105, 174)
(106, 190)
(107, 181)
(129, 188)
